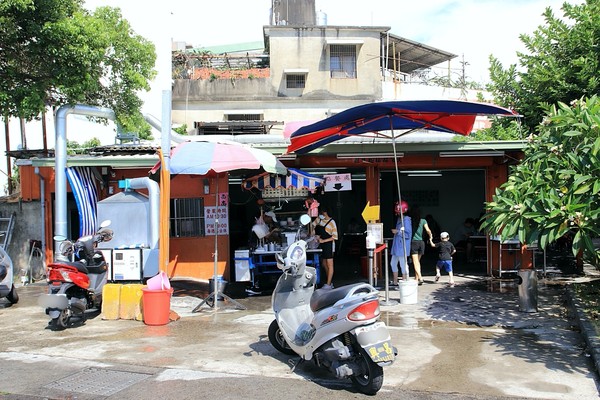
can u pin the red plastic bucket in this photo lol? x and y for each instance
(156, 306)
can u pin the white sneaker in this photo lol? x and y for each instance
(327, 287)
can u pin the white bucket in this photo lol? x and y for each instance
(408, 291)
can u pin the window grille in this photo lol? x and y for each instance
(294, 81)
(243, 117)
(342, 61)
(187, 217)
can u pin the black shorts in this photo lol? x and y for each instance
(326, 250)
(417, 247)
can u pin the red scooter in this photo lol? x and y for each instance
(76, 278)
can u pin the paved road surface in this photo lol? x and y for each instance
(465, 342)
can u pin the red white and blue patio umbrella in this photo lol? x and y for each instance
(385, 119)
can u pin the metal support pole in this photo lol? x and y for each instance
(387, 301)
(370, 254)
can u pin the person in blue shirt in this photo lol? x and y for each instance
(401, 243)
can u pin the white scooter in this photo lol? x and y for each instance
(338, 328)
(7, 287)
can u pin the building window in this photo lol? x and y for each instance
(295, 81)
(187, 217)
(342, 61)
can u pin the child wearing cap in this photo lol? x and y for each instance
(446, 249)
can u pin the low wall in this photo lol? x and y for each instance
(27, 227)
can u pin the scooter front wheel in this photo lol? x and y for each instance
(371, 380)
(278, 341)
(59, 323)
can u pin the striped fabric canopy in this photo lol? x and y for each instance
(295, 179)
(84, 190)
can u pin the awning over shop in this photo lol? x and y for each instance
(295, 179)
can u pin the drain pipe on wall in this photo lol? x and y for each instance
(60, 160)
(154, 196)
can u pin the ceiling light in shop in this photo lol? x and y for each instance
(421, 171)
(368, 155)
(445, 154)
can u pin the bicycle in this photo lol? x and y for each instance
(37, 270)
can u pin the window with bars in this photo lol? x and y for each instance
(295, 81)
(187, 217)
(342, 61)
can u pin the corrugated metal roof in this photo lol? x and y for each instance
(413, 56)
(231, 48)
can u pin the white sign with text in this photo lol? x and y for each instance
(338, 182)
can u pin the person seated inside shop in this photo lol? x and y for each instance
(265, 230)
(274, 235)
(463, 238)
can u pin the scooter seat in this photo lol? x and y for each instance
(80, 267)
(324, 298)
(97, 269)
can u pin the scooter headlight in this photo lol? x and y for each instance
(296, 253)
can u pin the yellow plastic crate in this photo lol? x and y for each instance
(131, 302)
(111, 297)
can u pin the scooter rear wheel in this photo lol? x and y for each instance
(372, 379)
(60, 323)
(278, 341)
(12, 296)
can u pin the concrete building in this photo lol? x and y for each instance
(258, 94)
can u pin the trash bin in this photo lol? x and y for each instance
(221, 284)
(156, 306)
(528, 291)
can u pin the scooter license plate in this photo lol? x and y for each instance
(58, 301)
(376, 341)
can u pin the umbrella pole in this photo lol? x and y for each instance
(215, 291)
(215, 283)
(399, 192)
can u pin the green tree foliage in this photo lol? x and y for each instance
(561, 63)
(501, 129)
(74, 147)
(54, 52)
(182, 130)
(555, 190)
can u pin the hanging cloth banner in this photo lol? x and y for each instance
(295, 179)
(83, 186)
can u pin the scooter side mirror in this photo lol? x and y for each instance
(59, 238)
(304, 219)
(280, 261)
(105, 223)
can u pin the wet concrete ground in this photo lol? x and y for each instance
(469, 340)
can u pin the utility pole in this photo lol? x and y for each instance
(463, 79)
